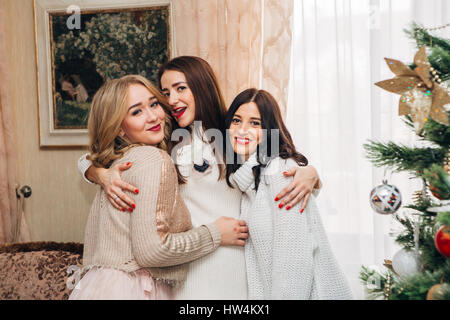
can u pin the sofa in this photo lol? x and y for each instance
(38, 270)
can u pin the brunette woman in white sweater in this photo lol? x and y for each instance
(143, 255)
(287, 254)
(193, 95)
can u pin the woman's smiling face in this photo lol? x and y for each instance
(179, 97)
(145, 118)
(246, 129)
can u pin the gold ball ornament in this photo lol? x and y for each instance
(431, 295)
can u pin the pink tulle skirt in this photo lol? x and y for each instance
(112, 284)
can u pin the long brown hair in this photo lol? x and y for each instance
(210, 107)
(108, 110)
(270, 119)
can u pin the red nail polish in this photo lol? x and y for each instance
(123, 209)
(129, 209)
(301, 211)
(288, 207)
(285, 172)
(276, 199)
(136, 191)
(134, 206)
(128, 163)
(280, 205)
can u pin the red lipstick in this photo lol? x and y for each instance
(177, 113)
(155, 128)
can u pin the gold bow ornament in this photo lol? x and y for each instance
(420, 96)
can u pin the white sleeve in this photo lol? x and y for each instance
(243, 177)
(83, 166)
(316, 191)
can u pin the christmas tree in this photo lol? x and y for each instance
(421, 269)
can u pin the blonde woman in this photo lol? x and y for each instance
(141, 255)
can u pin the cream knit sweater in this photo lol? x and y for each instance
(287, 254)
(158, 235)
(222, 274)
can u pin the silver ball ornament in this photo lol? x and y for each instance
(385, 198)
(406, 263)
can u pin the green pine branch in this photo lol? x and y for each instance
(432, 131)
(431, 258)
(402, 158)
(438, 180)
(374, 282)
(422, 37)
(421, 203)
(436, 132)
(444, 218)
(439, 57)
(416, 287)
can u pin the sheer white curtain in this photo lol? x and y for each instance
(333, 108)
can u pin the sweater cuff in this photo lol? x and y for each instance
(244, 175)
(83, 166)
(316, 191)
(215, 234)
(252, 161)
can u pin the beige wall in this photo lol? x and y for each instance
(59, 205)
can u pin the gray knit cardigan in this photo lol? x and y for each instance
(288, 255)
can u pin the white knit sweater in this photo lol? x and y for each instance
(287, 254)
(220, 275)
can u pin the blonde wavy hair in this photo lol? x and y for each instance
(108, 110)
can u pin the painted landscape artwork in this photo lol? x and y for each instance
(107, 45)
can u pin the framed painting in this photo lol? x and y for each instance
(80, 45)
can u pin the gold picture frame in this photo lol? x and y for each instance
(81, 44)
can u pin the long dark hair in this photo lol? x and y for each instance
(210, 107)
(270, 119)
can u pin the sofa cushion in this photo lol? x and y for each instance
(38, 270)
